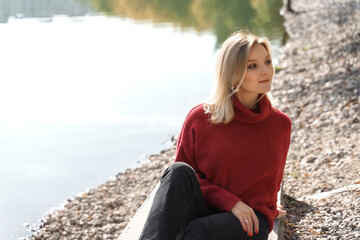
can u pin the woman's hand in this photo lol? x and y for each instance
(247, 217)
(281, 212)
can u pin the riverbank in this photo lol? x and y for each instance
(318, 87)
(104, 211)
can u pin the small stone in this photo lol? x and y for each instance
(324, 228)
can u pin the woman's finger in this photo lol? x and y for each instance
(256, 223)
(250, 226)
(281, 213)
(243, 224)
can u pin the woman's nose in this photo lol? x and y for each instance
(264, 69)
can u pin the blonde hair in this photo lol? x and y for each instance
(230, 73)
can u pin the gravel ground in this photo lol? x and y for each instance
(318, 87)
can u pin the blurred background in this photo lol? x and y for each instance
(88, 88)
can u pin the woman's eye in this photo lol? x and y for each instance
(268, 62)
(252, 66)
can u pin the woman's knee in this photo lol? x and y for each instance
(180, 170)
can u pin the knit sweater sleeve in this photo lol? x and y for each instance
(214, 195)
(287, 135)
(288, 139)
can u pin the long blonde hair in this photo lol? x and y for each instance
(230, 73)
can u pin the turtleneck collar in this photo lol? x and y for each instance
(246, 115)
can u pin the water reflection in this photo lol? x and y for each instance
(42, 9)
(220, 17)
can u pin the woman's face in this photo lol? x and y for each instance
(259, 71)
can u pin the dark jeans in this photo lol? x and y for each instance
(180, 212)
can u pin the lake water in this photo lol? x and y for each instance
(89, 88)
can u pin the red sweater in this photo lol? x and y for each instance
(241, 160)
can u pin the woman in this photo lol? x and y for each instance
(230, 155)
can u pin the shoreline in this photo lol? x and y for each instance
(318, 87)
(103, 212)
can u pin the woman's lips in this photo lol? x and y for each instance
(264, 81)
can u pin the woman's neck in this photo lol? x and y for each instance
(248, 100)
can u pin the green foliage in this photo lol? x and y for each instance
(293, 174)
(278, 68)
(307, 47)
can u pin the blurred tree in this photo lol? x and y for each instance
(267, 20)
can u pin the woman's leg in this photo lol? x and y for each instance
(224, 226)
(177, 202)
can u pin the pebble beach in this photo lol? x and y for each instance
(319, 89)
(317, 85)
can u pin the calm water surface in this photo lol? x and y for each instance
(88, 87)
